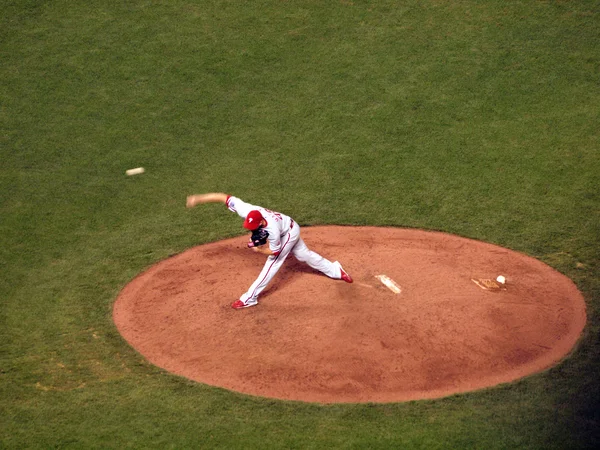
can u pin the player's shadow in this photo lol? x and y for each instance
(291, 269)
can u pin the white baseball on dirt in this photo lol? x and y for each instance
(501, 279)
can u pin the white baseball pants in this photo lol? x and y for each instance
(291, 243)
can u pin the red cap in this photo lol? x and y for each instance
(253, 220)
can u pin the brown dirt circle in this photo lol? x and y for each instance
(320, 340)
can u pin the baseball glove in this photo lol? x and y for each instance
(259, 237)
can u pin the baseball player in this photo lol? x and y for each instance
(283, 238)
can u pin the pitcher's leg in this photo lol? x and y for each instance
(302, 253)
(269, 270)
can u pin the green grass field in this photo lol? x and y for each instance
(479, 118)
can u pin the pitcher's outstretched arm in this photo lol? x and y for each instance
(211, 197)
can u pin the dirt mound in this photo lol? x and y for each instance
(320, 340)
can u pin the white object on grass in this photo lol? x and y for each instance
(135, 171)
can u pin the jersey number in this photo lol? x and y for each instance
(276, 214)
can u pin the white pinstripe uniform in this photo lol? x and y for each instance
(284, 238)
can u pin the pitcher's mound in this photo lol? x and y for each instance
(315, 339)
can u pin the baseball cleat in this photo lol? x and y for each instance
(344, 275)
(238, 304)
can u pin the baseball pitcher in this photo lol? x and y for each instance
(281, 234)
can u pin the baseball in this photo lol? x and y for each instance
(135, 171)
(501, 279)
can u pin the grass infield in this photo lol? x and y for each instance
(478, 118)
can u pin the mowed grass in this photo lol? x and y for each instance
(476, 118)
